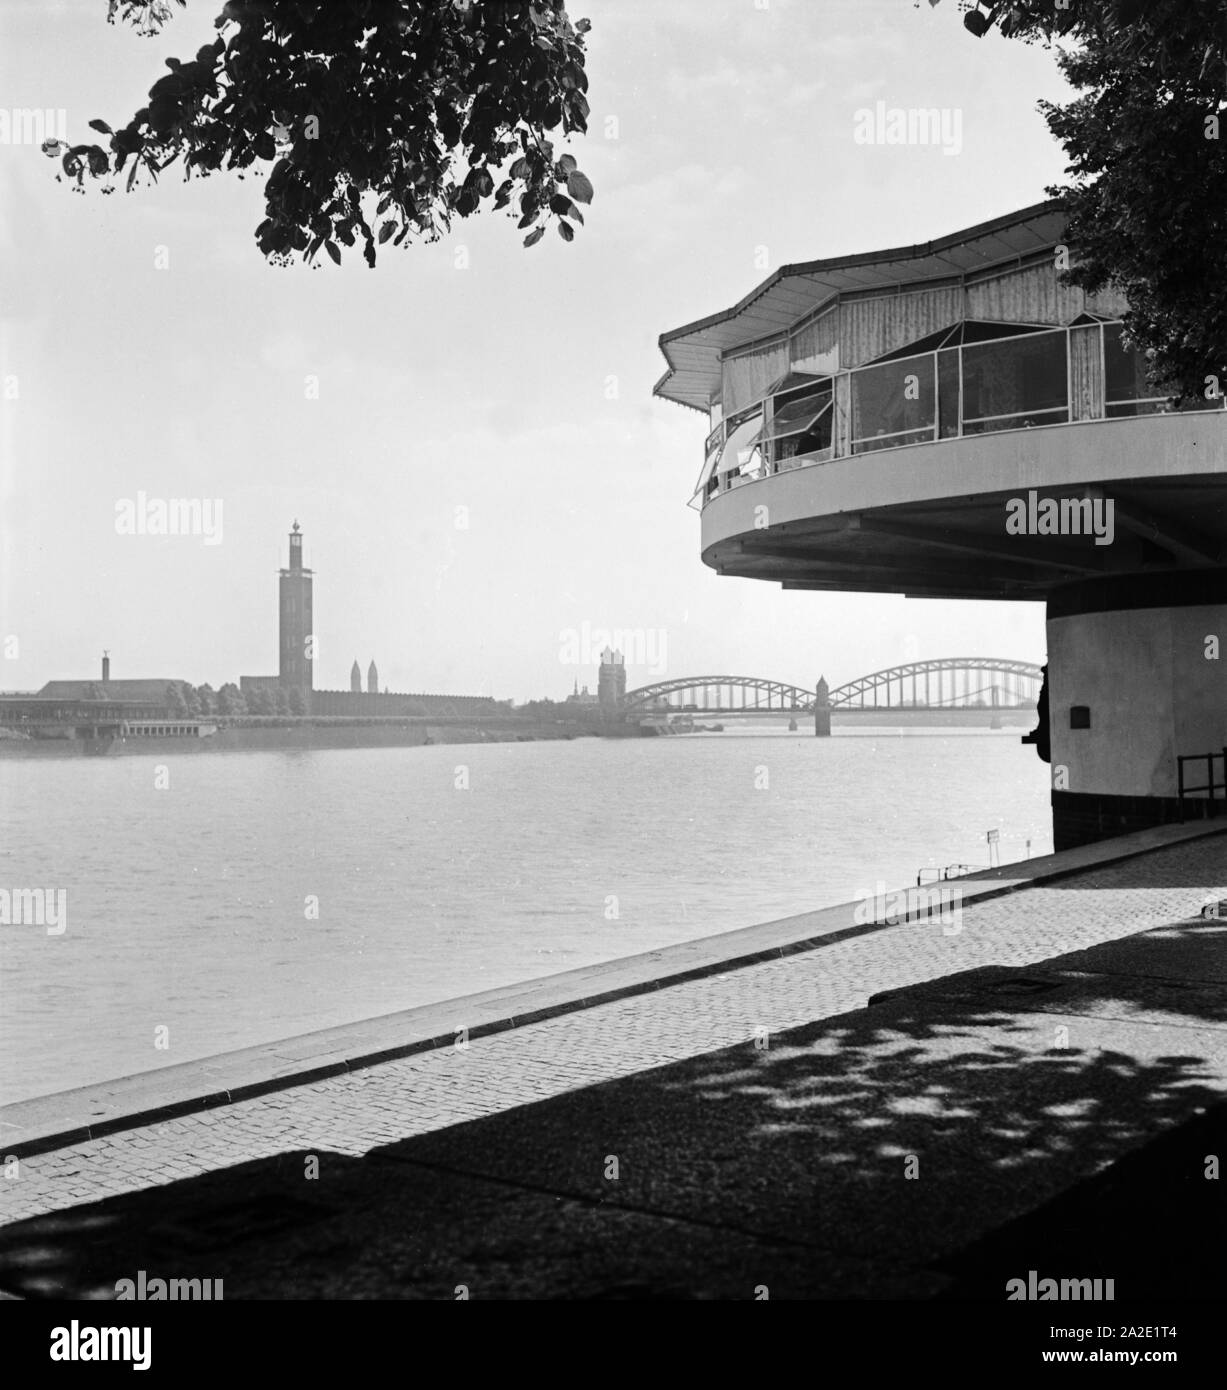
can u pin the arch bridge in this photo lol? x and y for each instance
(953, 682)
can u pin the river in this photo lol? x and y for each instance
(264, 894)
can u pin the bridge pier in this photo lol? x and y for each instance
(822, 709)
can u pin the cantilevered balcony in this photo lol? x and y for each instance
(895, 477)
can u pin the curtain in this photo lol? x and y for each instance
(1086, 372)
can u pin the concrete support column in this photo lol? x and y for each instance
(1136, 678)
(822, 709)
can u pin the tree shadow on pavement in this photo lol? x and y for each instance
(942, 1141)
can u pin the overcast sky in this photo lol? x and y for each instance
(467, 374)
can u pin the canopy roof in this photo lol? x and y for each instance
(787, 296)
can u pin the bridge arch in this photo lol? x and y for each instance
(950, 682)
(755, 694)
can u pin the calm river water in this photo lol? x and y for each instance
(442, 871)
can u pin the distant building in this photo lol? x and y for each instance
(335, 703)
(611, 682)
(581, 697)
(249, 685)
(152, 698)
(142, 690)
(296, 618)
(152, 690)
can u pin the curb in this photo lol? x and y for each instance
(1089, 857)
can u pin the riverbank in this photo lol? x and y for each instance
(299, 734)
(896, 1113)
(130, 1102)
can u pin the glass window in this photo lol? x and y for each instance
(1015, 383)
(740, 458)
(815, 438)
(711, 456)
(801, 423)
(948, 406)
(893, 403)
(1127, 390)
(794, 415)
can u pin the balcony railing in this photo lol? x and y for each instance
(1027, 380)
(1187, 790)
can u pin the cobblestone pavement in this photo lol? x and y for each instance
(353, 1113)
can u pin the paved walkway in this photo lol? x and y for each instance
(394, 1101)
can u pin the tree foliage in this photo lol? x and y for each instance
(1147, 145)
(375, 120)
(230, 700)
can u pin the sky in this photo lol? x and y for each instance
(467, 433)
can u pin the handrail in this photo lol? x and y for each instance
(940, 875)
(934, 429)
(1210, 786)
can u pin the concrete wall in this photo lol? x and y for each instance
(1151, 692)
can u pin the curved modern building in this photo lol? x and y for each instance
(951, 420)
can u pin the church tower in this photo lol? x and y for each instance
(296, 630)
(372, 679)
(355, 679)
(611, 679)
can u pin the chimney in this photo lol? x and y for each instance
(106, 666)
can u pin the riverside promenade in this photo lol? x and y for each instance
(819, 1107)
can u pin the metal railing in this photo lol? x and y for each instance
(941, 422)
(1210, 786)
(992, 838)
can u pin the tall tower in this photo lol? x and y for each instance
(611, 681)
(296, 630)
(355, 679)
(372, 679)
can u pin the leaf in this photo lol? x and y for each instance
(519, 170)
(102, 126)
(534, 237)
(386, 231)
(566, 231)
(579, 187)
(568, 164)
(333, 250)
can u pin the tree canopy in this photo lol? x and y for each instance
(1146, 207)
(375, 120)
